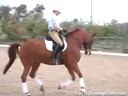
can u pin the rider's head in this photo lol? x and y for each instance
(57, 12)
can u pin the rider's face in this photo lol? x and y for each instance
(57, 13)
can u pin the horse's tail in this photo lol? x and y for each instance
(12, 51)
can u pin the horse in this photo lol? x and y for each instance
(34, 52)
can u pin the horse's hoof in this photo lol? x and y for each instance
(83, 90)
(42, 88)
(59, 87)
(27, 94)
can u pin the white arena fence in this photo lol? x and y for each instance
(93, 52)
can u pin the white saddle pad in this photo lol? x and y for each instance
(49, 45)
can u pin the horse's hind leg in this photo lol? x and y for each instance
(23, 77)
(69, 82)
(32, 74)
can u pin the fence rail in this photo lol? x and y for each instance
(106, 44)
(114, 44)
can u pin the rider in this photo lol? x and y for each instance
(54, 28)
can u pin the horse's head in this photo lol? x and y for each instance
(84, 39)
(88, 43)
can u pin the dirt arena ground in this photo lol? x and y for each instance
(102, 73)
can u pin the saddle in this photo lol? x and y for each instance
(51, 44)
(48, 38)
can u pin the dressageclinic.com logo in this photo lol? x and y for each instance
(94, 93)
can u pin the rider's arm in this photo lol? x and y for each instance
(57, 27)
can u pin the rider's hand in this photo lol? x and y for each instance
(65, 31)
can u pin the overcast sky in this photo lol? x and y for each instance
(103, 10)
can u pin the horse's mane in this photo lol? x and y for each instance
(72, 32)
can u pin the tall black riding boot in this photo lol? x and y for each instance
(54, 54)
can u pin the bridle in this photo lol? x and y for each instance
(86, 48)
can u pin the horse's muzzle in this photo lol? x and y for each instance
(88, 52)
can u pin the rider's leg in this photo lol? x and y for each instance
(55, 37)
(55, 52)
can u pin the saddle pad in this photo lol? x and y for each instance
(49, 45)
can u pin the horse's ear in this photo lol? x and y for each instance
(94, 34)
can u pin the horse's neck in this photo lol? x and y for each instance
(73, 40)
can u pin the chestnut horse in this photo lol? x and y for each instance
(34, 52)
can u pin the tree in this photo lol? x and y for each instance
(72, 25)
(39, 8)
(4, 13)
(107, 30)
(20, 12)
(38, 12)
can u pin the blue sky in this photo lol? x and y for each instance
(103, 10)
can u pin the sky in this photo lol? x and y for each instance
(103, 11)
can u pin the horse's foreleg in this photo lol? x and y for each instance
(82, 85)
(81, 80)
(23, 77)
(33, 75)
(69, 82)
(40, 83)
